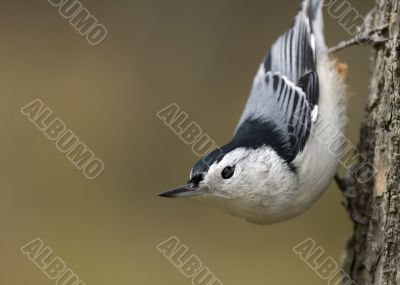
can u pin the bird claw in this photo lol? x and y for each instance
(357, 218)
(374, 36)
(346, 185)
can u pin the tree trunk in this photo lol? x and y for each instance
(373, 252)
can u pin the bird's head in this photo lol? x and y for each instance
(238, 179)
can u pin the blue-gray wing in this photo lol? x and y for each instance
(283, 110)
(285, 92)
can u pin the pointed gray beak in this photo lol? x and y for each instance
(185, 191)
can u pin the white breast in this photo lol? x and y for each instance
(319, 161)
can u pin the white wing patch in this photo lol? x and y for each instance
(314, 114)
(312, 42)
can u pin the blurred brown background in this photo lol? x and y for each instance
(201, 55)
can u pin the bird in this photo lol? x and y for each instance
(278, 162)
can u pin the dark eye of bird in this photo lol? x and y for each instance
(228, 172)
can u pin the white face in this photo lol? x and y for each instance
(258, 175)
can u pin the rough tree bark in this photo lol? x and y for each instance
(373, 252)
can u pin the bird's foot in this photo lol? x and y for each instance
(368, 36)
(346, 185)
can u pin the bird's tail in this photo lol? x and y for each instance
(296, 52)
(313, 9)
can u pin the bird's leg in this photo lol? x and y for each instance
(369, 36)
(346, 184)
(343, 182)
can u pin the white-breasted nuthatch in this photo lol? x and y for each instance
(278, 162)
